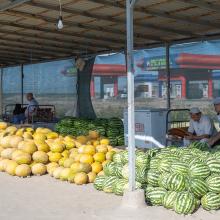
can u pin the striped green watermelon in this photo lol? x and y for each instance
(118, 170)
(141, 174)
(179, 167)
(164, 165)
(169, 199)
(211, 201)
(142, 159)
(186, 157)
(199, 145)
(176, 182)
(214, 165)
(199, 169)
(155, 196)
(217, 155)
(109, 184)
(99, 182)
(109, 169)
(162, 181)
(154, 163)
(117, 157)
(185, 203)
(153, 177)
(124, 157)
(152, 152)
(121, 185)
(198, 187)
(213, 183)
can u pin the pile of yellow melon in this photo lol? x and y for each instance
(26, 152)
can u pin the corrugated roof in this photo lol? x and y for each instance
(28, 31)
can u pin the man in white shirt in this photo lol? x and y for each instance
(201, 127)
(32, 105)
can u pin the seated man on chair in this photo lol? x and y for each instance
(32, 105)
(201, 127)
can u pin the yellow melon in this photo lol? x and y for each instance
(29, 130)
(61, 161)
(82, 139)
(56, 146)
(39, 137)
(89, 149)
(20, 132)
(27, 146)
(64, 175)
(71, 176)
(39, 169)
(65, 153)
(57, 172)
(11, 129)
(96, 143)
(68, 162)
(5, 142)
(3, 164)
(101, 173)
(93, 134)
(96, 167)
(27, 135)
(3, 125)
(16, 153)
(52, 135)
(40, 157)
(23, 170)
(81, 178)
(86, 158)
(23, 158)
(77, 157)
(104, 141)
(99, 157)
(69, 144)
(109, 155)
(51, 167)
(7, 153)
(42, 146)
(55, 157)
(81, 149)
(91, 177)
(81, 167)
(102, 149)
(11, 167)
(15, 140)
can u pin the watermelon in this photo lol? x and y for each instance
(214, 165)
(164, 165)
(118, 170)
(153, 177)
(109, 169)
(213, 183)
(142, 159)
(198, 187)
(176, 182)
(109, 184)
(155, 196)
(141, 174)
(210, 201)
(154, 163)
(124, 158)
(179, 167)
(117, 157)
(199, 169)
(120, 186)
(169, 199)
(99, 182)
(185, 203)
(162, 181)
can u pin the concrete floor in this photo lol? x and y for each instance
(47, 198)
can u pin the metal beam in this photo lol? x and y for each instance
(106, 44)
(168, 75)
(13, 4)
(65, 44)
(162, 14)
(83, 26)
(109, 18)
(202, 4)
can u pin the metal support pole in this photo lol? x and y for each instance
(168, 75)
(130, 81)
(22, 84)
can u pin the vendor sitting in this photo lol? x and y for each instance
(201, 127)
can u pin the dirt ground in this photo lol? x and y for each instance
(46, 198)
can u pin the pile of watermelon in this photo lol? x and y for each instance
(180, 179)
(112, 128)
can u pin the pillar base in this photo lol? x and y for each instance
(133, 200)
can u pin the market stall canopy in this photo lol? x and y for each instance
(29, 33)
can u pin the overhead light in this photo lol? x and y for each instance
(60, 19)
(60, 23)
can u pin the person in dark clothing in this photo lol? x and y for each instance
(18, 114)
